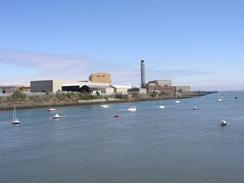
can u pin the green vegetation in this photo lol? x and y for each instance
(17, 96)
(163, 94)
(121, 96)
(59, 97)
(153, 94)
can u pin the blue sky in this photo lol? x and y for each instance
(193, 42)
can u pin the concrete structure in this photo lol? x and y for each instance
(143, 82)
(160, 83)
(121, 89)
(137, 91)
(51, 86)
(183, 89)
(100, 78)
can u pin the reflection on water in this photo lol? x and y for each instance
(153, 145)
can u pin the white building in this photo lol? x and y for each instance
(121, 89)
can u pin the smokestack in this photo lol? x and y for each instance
(142, 74)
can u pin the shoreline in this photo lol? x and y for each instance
(32, 104)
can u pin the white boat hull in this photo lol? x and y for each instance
(51, 109)
(131, 110)
(15, 122)
(105, 106)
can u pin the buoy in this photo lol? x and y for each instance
(116, 115)
(220, 99)
(223, 123)
(162, 107)
(195, 108)
(104, 106)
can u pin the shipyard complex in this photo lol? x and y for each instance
(98, 84)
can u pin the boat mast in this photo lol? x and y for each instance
(14, 113)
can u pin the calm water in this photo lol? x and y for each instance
(174, 145)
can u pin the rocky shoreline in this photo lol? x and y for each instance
(44, 101)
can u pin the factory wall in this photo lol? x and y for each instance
(47, 86)
(42, 86)
(183, 88)
(137, 91)
(160, 82)
(167, 90)
(100, 78)
(121, 89)
(7, 90)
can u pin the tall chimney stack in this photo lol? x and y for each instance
(142, 74)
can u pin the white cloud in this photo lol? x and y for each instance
(47, 66)
(63, 67)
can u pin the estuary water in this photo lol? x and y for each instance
(152, 145)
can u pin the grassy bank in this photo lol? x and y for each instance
(21, 100)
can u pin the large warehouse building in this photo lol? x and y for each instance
(51, 86)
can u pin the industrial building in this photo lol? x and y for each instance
(139, 91)
(100, 78)
(165, 90)
(183, 89)
(95, 89)
(51, 86)
(160, 83)
(121, 89)
(89, 88)
(6, 90)
(161, 87)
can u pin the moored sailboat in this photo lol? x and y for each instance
(15, 120)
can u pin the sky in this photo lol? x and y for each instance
(192, 42)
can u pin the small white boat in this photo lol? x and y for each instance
(177, 101)
(161, 107)
(220, 99)
(223, 123)
(51, 109)
(57, 116)
(131, 109)
(15, 120)
(105, 106)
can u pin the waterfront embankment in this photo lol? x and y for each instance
(21, 100)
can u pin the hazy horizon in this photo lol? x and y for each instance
(197, 43)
